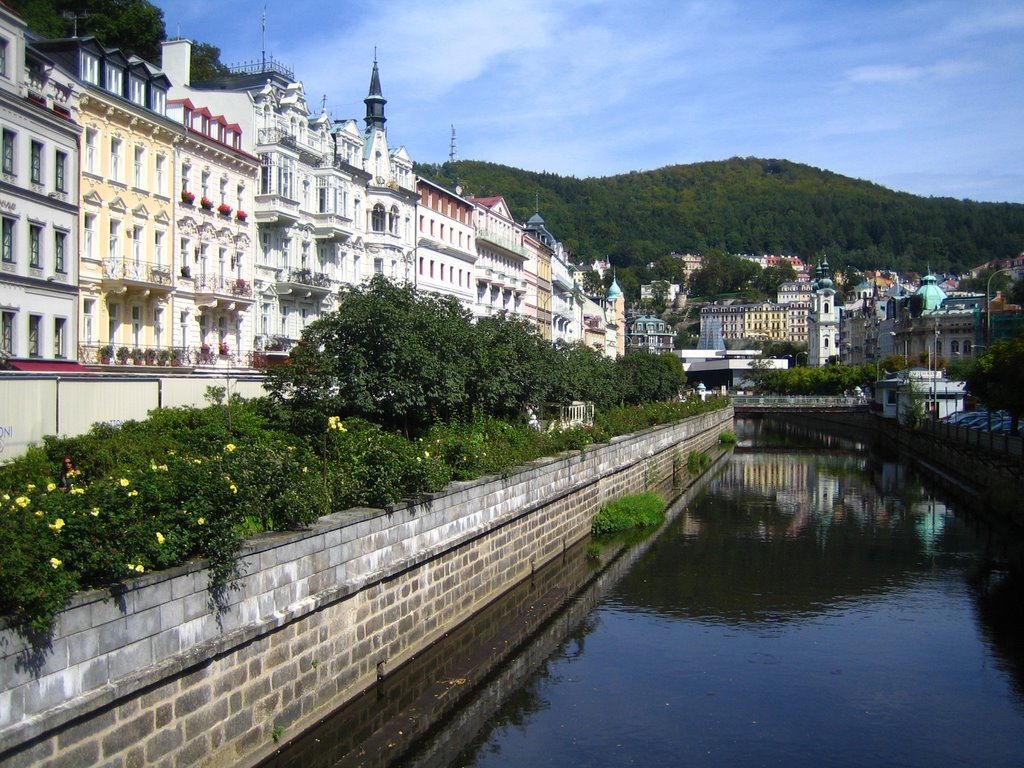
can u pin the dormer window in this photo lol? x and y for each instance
(159, 101)
(115, 80)
(90, 69)
(138, 90)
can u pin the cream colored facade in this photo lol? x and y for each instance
(126, 277)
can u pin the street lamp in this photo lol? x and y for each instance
(988, 304)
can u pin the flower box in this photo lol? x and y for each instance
(224, 209)
(241, 215)
(206, 203)
(187, 197)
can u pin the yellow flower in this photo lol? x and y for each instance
(197, 461)
(305, 470)
(201, 521)
(160, 538)
(30, 487)
(51, 486)
(56, 526)
(7, 497)
(39, 513)
(77, 491)
(229, 447)
(139, 569)
(334, 422)
(426, 454)
(95, 512)
(125, 482)
(22, 501)
(162, 468)
(55, 563)
(234, 488)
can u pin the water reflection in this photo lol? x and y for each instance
(810, 606)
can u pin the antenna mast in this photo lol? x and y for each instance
(453, 149)
(263, 37)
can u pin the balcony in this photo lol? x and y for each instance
(125, 356)
(223, 292)
(303, 283)
(128, 275)
(507, 245)
(276, 209)
(332, 226)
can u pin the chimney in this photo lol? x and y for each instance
(176, 61)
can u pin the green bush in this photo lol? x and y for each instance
(640, 510)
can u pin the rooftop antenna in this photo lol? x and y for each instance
(453, 151)
(73, 17)
(323, 103)
(263, 37)
(536, 196)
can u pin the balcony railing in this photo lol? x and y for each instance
(138, 271)
(501, 241)
(124, 355)
(229, 286)
(305, 277)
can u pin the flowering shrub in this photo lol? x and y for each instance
(193, 482)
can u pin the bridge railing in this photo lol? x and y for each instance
(998, 443)
(797, 401)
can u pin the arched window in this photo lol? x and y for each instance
(825, 309)
(826, 342)
(393, 221)
(954, 347)
(967, 347)
(377, 219)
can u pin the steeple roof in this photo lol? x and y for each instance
(375, 102)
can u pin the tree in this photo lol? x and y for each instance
(206, 64)
(646, 377)
(997, 378)
(387, 354)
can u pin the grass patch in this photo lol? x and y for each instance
(641, 510)
(727, 438)
(697, 462)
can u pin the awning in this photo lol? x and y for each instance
(48, 366)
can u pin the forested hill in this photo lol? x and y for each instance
(748, 205)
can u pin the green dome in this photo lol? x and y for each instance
(614, 292)
(931, 295)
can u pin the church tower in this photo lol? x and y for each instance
(823, 323)
(375, 102)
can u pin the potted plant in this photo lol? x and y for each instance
(206, 203)
(163, 356)
(187, 197)
(137, 356)
(105, 353)
(241, 215)
(150, 356)
(205, 355)
(175, 357)
(223, 349)
(122, 355)
(224, 209)
(186, 271)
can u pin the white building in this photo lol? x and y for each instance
(823, 323)
(501, 259)
(445, 244)
(39, 212)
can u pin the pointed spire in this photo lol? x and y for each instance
(375, 100)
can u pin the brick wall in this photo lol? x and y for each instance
(152, 676)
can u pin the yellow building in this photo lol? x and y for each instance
(126, 278)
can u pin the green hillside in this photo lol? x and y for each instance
(748, 205)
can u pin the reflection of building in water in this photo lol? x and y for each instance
(930, 521)
(754, 472)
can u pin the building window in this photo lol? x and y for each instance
(158, 248)
(393, 221)
(138, 90)
(35, 236)
(7, 333)
(92, 140)
(3, 57)
(378, 218)
(60, 169)
(160, 183)
(136, 234)
(90, 69)
(35, 322)
(159, 101)
(8, 151)
(140, 166)
(113, 322)
(115, 159)
(59, 324)
(88, 316)
(115, 241)
(89, 235)
(115, 80)
(7, 240)
(36, 158)
(59, 249)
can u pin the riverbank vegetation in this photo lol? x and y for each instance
(352, 421)
(640, 510)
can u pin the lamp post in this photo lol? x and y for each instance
(988, 304)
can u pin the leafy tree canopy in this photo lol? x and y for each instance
(997, 378)
(747, 205)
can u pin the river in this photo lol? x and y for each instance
(814, 604)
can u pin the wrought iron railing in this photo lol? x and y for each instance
(233, 286)
(142, 271)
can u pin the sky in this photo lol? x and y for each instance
(924, 97)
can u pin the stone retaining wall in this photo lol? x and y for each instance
(152, 676)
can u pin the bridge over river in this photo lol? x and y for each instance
(749, 404)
